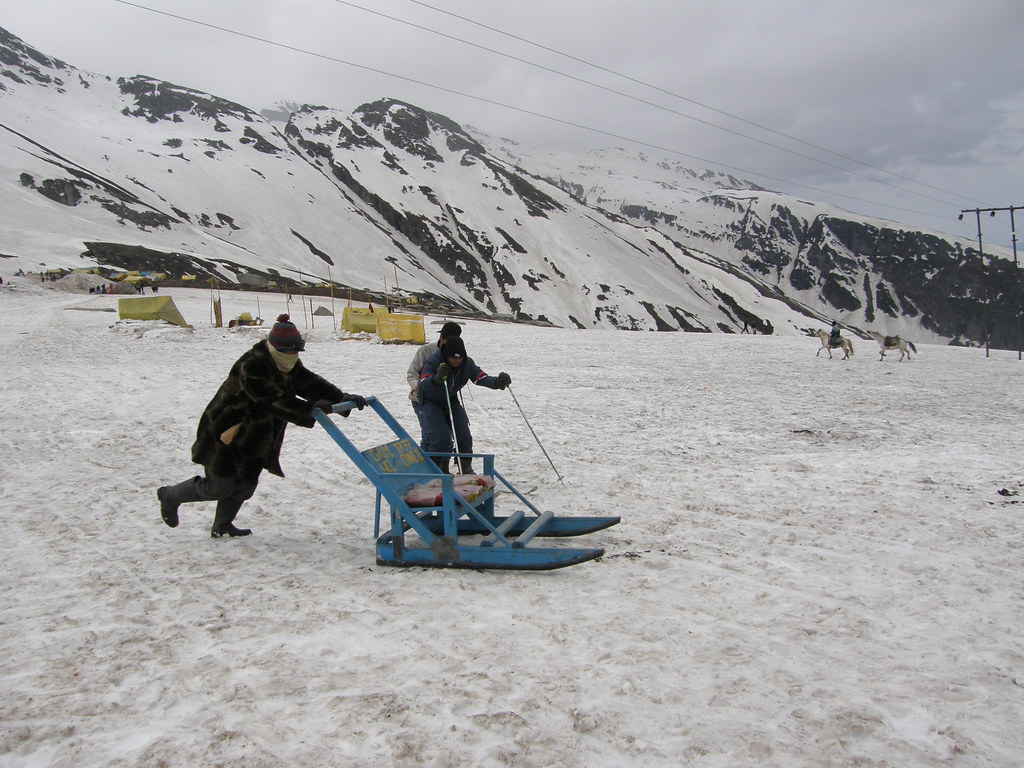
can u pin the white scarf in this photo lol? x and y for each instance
(284, 362)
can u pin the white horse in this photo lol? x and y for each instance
(893, 342)
(844, 343)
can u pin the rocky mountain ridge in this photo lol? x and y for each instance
(137, 172)
(869, 273)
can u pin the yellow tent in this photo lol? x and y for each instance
(150, 308)
(401, 328)
(357, 319)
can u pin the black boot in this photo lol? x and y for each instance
(442, 462)
(229, 530)
(466, 465)
(172, 496)
(223, 519)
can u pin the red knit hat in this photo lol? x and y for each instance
(285, 337)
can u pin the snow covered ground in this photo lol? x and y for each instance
(815, 565)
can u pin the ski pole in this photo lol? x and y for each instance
(516, 400)
(451, 417)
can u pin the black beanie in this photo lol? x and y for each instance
(454, 347)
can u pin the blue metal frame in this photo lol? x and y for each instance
(395, 467)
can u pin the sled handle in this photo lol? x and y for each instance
(347, 405)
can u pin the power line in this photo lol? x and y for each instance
(522, 110)
(704, 106)
(992, 212)
(646, 102)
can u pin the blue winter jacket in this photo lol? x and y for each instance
(457, 378)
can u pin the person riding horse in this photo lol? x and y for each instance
(833, 336)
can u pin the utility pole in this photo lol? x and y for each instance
(1016, 271)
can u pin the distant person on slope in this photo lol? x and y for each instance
(833, 336)
(241, 431)
(412, 376)
(444, 373)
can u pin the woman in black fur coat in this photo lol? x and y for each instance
(241, 431)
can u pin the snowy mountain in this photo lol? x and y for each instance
(139, 173)
(865, 272)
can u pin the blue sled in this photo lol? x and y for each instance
(442, 528)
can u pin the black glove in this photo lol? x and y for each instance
(359, 400)
(504, 380)
(324, 405)
(441, 374)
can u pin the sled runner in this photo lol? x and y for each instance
(453, 517)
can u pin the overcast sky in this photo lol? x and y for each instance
(928, 90)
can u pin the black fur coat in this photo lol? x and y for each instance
(262, 399)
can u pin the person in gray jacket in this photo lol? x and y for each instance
(412, 376)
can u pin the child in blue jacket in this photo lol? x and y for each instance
(446, 372)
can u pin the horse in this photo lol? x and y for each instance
(844, 343)
(893, 342)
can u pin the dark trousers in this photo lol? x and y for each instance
(437, 428)
(417, 408)
(230, 493)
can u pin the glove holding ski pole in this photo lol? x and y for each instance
(504, 380)
(442, 373)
